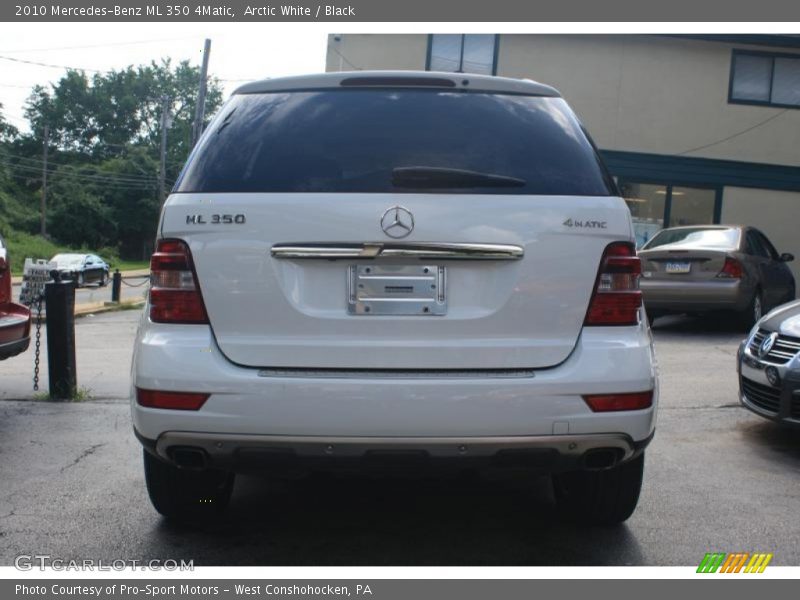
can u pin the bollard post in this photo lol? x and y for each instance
(116, 286)
(60, 308)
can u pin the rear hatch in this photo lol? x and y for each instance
(396, 228)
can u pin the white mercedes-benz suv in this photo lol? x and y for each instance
(376, 270)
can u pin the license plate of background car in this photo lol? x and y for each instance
(397, 290)
(678, 267)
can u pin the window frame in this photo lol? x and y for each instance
(771, 55)
(496, 51)
(668, 186)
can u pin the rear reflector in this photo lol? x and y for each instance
(170, 400)
(732, 269)
(615, 402)
(617, 298)
(174, 294)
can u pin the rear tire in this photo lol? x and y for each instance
(604, 497)
(182, 494)
(754, 311)
(81, 280)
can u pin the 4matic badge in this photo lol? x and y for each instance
(585, 224)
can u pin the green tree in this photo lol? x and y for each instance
(7, 131)
(99, 115)
(105, 133)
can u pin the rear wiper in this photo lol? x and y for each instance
(443, 177)
(226, 121)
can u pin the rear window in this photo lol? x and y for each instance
(353, 140)
(724, 239)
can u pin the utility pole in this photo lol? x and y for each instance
(200, 109)
(43, 208)
(162, 170)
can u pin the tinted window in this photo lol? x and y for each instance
(726, 239)
(351, 140)
(755, 246)
(462, 53)
(768, 247)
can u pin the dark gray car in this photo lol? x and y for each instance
(82, 268)
(769, 366)
(714, 267)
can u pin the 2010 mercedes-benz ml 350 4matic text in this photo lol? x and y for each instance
(380, 268)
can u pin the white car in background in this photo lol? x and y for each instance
(380, 269)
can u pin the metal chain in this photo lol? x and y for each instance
(38, 349)
(147, 280)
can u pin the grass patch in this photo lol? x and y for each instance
(24, 245)
(129, 265)
(82, 394)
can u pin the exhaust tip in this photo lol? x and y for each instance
(601, 458)
(188, 457)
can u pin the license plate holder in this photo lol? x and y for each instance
(678, 267)
(397, 290)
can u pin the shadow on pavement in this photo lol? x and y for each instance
(774, 441)
(362, 521)
(699, 325)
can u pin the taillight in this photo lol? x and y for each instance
(732, 269)
(617, 298)
(174, 294)
(615, 402)
(170, 400)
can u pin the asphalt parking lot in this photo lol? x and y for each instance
(717, 478)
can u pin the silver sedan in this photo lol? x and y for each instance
(714, 267)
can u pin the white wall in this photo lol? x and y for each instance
(636, 93)
(376, 51)
(777, 214)
(655, 94)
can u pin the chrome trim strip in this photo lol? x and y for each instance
(334, 373)
(222, 447)
(421, 250)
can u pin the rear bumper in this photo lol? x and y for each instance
(696, 295)
(256, 452)
(15, 325)
(304, 412)
(9, 349)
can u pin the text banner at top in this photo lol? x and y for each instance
(403, 11)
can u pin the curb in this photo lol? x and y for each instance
(135, 273)
(82, 310)
(97, 308)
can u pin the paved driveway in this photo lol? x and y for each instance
(716, 478)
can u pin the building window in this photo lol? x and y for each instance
(762, 78)
(657, 206)
(463, 53)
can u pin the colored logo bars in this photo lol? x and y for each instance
(734, 563)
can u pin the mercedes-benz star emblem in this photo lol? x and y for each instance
(767, 345)
(397, 222)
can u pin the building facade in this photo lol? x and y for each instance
(696, 129)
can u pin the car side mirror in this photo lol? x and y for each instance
(786, 257)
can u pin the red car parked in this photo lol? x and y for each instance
(15, 319)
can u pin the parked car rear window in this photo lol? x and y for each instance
(725, 239)
(352, 140)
